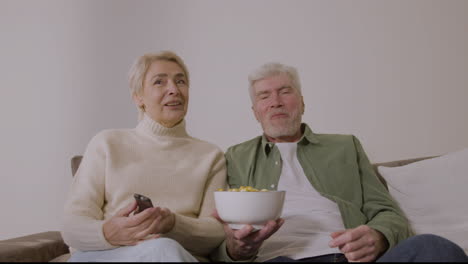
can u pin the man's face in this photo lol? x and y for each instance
(278, 106)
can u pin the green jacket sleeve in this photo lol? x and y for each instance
(378, 206)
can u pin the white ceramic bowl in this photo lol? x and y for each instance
(254, 208)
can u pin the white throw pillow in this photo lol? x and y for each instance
(433, 194)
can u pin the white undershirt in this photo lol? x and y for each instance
(309, 217)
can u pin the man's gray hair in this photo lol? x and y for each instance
(273, 69)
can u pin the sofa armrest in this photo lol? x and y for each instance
(41, 247)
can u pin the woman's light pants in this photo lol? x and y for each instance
(154, 250)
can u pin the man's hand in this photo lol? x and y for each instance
(244, 243)
(360, 244)
(125, 230)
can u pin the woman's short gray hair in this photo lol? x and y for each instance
(141, 65)
(273, 69)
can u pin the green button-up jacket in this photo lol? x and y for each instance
(336, 166)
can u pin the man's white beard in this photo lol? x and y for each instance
(288, 128)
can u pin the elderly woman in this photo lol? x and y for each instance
(157, 159)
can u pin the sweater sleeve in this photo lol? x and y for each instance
(83, 216)
(203, 234)
(384, 213)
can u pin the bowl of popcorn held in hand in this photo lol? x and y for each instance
(247, 205)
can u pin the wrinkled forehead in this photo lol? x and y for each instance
(273, 82)
(163, 68)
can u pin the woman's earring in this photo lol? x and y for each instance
(142, 107)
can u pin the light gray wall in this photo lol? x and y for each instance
(394, 73)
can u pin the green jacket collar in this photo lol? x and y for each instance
(307, 137)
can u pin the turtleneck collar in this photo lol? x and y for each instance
(149, 126)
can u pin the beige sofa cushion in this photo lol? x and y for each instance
(433, 194)
(62, 258)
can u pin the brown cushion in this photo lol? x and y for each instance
(41, 247)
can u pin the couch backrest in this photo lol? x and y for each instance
(396, 163)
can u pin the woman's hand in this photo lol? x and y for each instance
(165, 220)
(124, 229)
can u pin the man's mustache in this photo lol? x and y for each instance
(278, 112)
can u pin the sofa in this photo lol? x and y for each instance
(49, 246)
(41, 247)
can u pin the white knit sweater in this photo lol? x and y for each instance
(166, 164)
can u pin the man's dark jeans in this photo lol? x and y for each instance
(420, 248)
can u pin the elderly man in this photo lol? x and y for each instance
(336, 209)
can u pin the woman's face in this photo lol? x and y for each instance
(165, 93)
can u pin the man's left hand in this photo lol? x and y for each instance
(360, 244)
